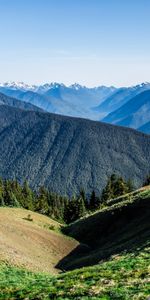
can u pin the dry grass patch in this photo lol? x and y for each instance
(36, 245)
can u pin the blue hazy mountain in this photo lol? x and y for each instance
(9, 101)
(135, 113)
(145, 128)
(120, 97)
(109, 104)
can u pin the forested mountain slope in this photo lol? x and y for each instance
(10, 101)
(67, 153)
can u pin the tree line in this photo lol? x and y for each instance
(58, 207)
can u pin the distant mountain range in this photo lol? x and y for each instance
(66, 153)
(75, 100)
(134, 113)
(120, 97)
(126, 106)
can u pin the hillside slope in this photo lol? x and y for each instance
(120, 97)
(124, 276)
(116, 100)
(67, 153)
(122, 226)
(36, 245)
(134, 113)
(6, 100)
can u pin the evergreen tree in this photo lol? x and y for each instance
(130, 186)
(83, 196)
(42, 201)
(119, 187)
(7, 193)
(81, 210)
(59, 207)
(115, 187)
(27, 199)
(2, 203)
(74, 209)
(147, 181)
(107, 192)
(92, 201)
(66, 211)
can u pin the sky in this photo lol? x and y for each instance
(92, 42)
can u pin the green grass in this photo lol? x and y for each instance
(124, 277)
(124, 225)
(127, 197)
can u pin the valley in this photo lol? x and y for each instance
(103, 250)
(74, 150)
(120, 273)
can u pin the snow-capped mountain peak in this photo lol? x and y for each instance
(48, 86)
(76, 86)
(17, 85)
(142, 85)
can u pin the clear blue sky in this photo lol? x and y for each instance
(92, 42)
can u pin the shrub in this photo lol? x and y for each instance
(28, 218)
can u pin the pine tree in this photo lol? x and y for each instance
(42, 201)
(2, 203)
(83, 196)
(130, 186)
(147, 181)
(119, 187)
(94, 202)
(107, 192)
(115, 187)
(7, 193)
(81, 210)
(28, 197)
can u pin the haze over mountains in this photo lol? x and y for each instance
(121, 96)
(75, 100)
(126, 106)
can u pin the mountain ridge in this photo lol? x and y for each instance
(13, 102)
(95, 103)
(133, 113)
(120, 97)
(74, 100)
(145, 128)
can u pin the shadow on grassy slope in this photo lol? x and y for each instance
(123, 226)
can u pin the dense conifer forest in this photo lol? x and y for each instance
(65, 154)
(61, 208)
